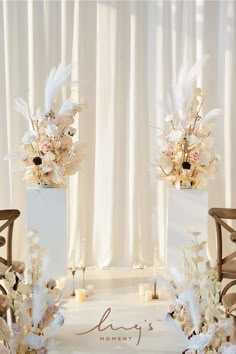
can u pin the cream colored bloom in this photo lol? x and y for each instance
(169, 118)
(29, 137)
(176, 136)
(51, 130)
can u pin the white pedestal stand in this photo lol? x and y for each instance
(46, 213)
(187, 208)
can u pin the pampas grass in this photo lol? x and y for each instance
(56, 79)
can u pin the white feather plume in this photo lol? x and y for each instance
(227, 348)
(67, 107)
(189, 296)
(182, 88)
(58, 321)
(22, 108)
(39, 301)
(177, 276)
(56, 79)
(43, 272)
(199, 341)
(213, 114)
(34, 341)
(172, 324)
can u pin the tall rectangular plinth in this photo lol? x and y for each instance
(187, 208)
(46, 213)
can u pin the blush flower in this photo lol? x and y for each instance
(17, 328)
(45, 147)
(194, 155)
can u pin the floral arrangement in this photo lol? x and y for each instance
(48, 153)
(35, 307)
(186, 142)
(195, 311)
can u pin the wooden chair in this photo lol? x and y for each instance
(226, 266)
(7, 219)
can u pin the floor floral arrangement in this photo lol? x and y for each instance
(186, 158)
(35, 306)
(196, 313)
(48, 153)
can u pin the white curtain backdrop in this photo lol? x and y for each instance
(125, 54)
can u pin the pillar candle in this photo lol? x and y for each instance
(80, 294)
(61, 283)
(90, 289)
(142, 288)
(148, 295)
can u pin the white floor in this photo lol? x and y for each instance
(116, 290)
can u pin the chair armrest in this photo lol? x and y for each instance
(3, 261)
(231, 310)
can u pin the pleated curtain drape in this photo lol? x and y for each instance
(125, 55)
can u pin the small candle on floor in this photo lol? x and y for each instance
(61, 283)
(148, 295)
(90, 289)
(80, 294)
(142, 288)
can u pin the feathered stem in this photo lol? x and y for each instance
(56, 79)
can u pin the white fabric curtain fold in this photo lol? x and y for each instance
(125, 55)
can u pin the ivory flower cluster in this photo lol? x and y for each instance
(49, 153)
(195, 310)
(186, 141)
(36, 308)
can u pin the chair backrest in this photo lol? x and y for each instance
(219, 215)
(8, 218)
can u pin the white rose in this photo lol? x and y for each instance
(176, 136)
(169, 118)
(29, 137)
(51, 130)
(193, 139)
